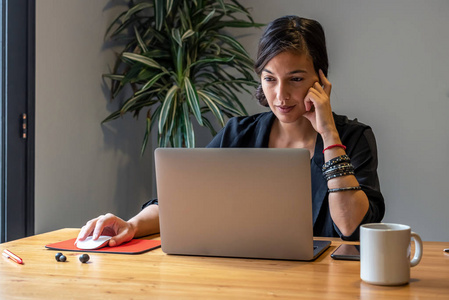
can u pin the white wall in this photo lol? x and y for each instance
(83, 168)
(389, 66)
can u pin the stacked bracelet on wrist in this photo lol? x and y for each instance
(336, 161)
(338, 167)
(333, 146)
(351, 188)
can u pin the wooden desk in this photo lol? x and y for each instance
(157, 275)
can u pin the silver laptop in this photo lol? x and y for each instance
(234, 202)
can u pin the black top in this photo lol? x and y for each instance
(254, 132)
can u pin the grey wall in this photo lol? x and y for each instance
(389, 68)
(83, 168)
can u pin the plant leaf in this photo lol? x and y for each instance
(179, 63)
(151, 82)
(189, 132)
(223, 6)
(142, 59)
(208, 124)
(187, 34)
(176, 36)
(244, 9)
(212, 60)
(140, 41)
(236, 8)
(135, 9)
(130, 102)
(171, 120)
(236, 24)
(212, 106)
(169, 6)
(206, 19)
(166, 106)
(159, 13)
(233, 42)
(113, 116)
(147, 133)
(155, 116)
(127, 18)
(114, 76)
(192, 100)
(112, 24)
(224, 104)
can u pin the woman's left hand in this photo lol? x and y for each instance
(318, 107)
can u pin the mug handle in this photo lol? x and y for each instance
(418, 249)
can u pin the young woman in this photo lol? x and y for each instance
(292, 64)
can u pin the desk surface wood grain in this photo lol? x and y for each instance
(157, 275)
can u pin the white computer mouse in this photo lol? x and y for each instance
(90, 244)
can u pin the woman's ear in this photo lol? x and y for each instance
(260, 96)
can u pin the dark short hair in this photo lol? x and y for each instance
(291, 33)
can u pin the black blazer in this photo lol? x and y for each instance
(254, 132)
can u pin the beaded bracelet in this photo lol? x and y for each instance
(351, 188)
(335, 161)
(339, 175)
(339, 167)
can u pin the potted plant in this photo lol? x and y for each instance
(181, 65)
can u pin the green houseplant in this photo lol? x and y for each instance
(181, 65)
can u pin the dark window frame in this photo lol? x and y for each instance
(18, 98)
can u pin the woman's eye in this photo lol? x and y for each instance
(296, 79)
(268, 79)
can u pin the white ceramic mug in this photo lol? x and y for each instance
(385, 253)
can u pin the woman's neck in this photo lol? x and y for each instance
(300, 134)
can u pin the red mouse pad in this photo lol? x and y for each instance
(135, 246)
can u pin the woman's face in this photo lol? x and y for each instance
(286, 80)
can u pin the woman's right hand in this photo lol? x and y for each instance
(111, 225)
